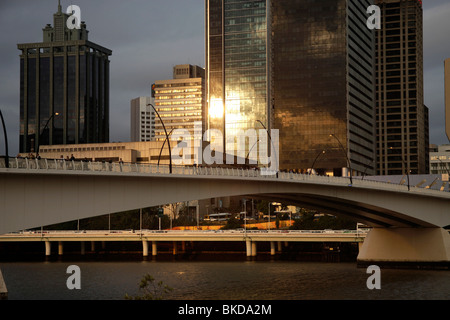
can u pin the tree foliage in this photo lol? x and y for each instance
(149, 289)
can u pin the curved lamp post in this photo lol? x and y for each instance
(346, 156)
(6, 141)
(248, 154)
(160, 151)
(46, 126)
(406, 167)
(268, 133)
(167, 137)
(317, 157)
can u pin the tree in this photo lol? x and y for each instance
(150, 290)
(232, 223)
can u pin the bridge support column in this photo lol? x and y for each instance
(280, 248)
(175, 248)
(248, 244)
(60, 248)
(83, 248)
(154, 248)
(48, 248)
(272, 248)
(406, 247)
(144, 248)
(92, 245)
(254, 249)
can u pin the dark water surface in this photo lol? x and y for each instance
(222, 280)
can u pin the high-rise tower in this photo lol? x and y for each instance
(64, 88)
(402, 117)
(305, 68)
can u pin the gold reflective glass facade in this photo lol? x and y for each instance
(306, 70)
(237, 67)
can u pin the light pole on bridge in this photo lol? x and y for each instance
(6, 141)
(167, 136)
(346, 156)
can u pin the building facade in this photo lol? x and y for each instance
(180, 102)
(402, 117)
(440, 160)
(64, 88)
(302, 67)
(142, 120)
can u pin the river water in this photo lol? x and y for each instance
(222, 280)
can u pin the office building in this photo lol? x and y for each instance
(142, 119)
(302, 67)
(180, 101)
(64, 88)
(402, 117)
(440, 160)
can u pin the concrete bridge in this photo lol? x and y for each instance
(408, 224)
(250, 237)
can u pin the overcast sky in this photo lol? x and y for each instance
(149, 37)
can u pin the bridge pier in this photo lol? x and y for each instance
(3, 289)
(406, 247)
(83, 248)
(154, 248)
(254, 249)
(248, 244)
(145, 248)
(48, 248)
(175, 248)
(272, 248)
(60, 248)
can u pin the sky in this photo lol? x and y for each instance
(149, 37)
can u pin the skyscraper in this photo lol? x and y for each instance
(402, 117)
(180, 101)
(302, 67)
(64, 88)
(142, 120)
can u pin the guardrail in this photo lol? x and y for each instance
(118, 167)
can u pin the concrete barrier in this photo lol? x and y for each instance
(3, 290)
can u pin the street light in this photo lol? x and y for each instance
(6, 141)
(248, 154)
(46, 126)
(317, 157)
(167, 137)
(160, 151)
(268, 133)
(406, 167)
(346, 156)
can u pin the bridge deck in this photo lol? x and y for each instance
(145, 235)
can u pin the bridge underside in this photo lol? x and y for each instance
(377, 217)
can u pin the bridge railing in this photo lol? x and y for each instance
(117, 167)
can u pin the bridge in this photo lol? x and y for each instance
(407, 222)
(250, 237)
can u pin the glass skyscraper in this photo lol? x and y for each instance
(64, 88)
(237, 66)
(303, 67)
